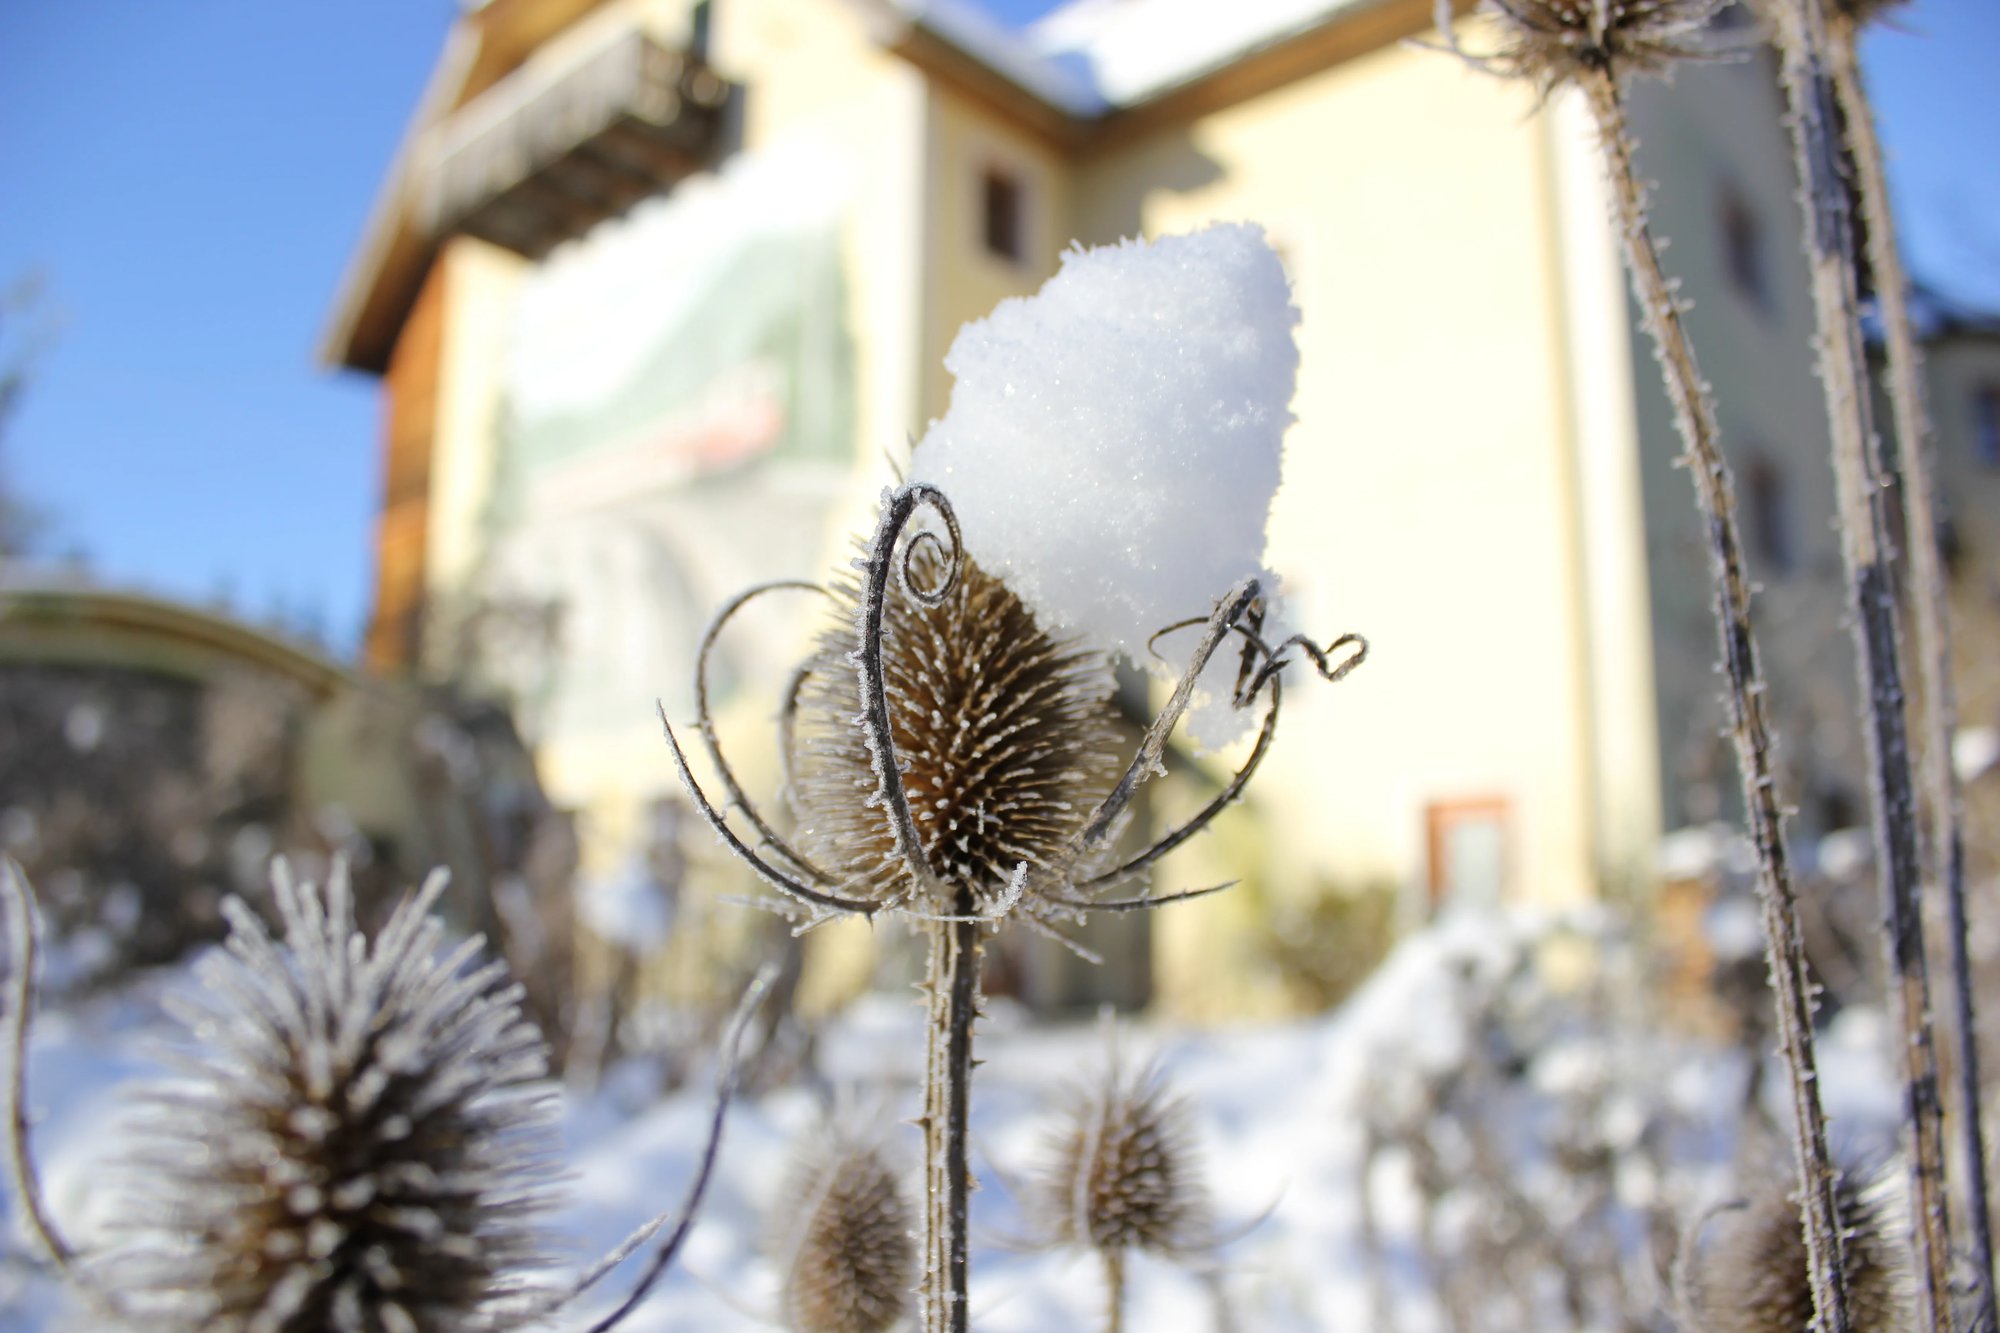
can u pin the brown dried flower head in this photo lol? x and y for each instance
(1121, 1171)
(362, 1142)
(1751, 1274)
(1008, 738)
(842, 1234)
(1550, 43)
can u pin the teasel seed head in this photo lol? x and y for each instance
(1750, 1275)
(360, 1142)
(843, 1236)
(1121, 1171)
(1550, 43)
(1008, 738)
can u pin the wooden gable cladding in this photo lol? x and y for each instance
(534, 160)
(402, 528)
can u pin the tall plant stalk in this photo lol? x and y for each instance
(1930, 617)
(955, 948)
(1804, 44)
(1750, 729)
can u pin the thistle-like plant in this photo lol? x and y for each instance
(843, 1237)
(361, 1139)
(950, 756)
(1594, 47)
(1749, 1274)
(1120, 1173)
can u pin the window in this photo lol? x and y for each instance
(1743, 248)
(1986, 424)
(701, 20)
(1003, 224)
(1468, 852)
(1771, 528)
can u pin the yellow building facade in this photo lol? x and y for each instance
(1478, 481)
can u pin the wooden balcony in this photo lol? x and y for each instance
(541, 157)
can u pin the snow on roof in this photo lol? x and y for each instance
(1062, 84)
(1132, 50)
(1092, 56)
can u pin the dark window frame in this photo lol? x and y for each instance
(1003, 213)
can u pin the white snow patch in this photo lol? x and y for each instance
(628, 908)
(1136, 49)
(1975, 751)
(1113, 443)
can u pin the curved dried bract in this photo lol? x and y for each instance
(683, 1214)
(24, 935)
(770, 874)
(705, 721)
(1146, 761)
(1145, 902)
(898, 508)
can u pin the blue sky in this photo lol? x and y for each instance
(189, 177)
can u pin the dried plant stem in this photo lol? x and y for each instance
(1931, 619)
(1864, 524)
(1715, 494)
(953, 989)
(24, 929)
(1114, 1290)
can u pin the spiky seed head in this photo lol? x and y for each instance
(1120, 1171)
(1553, 42)
(842, 1234)
(361, 1140)
(1750, 1274)
(1008, 738)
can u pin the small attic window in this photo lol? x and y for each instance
(1986, 424)
(1743, 247)
(1002, 209)
(1772, 528)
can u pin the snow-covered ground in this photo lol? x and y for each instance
(1284, 1116)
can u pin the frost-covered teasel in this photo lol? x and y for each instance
(842, 1236)
(1551, 43)
(361, 1139)
(1746, 1270)
(948, 747)
(1121, 1172)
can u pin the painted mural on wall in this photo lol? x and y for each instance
(677, 424)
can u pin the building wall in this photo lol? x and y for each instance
(1712, 137)
(963, 279)
(1429, 498)
(819, 96)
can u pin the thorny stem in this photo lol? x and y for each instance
(1864, 526)
(1931, 618)
(1716, 497)
(1114, 1289)
(953, 990)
